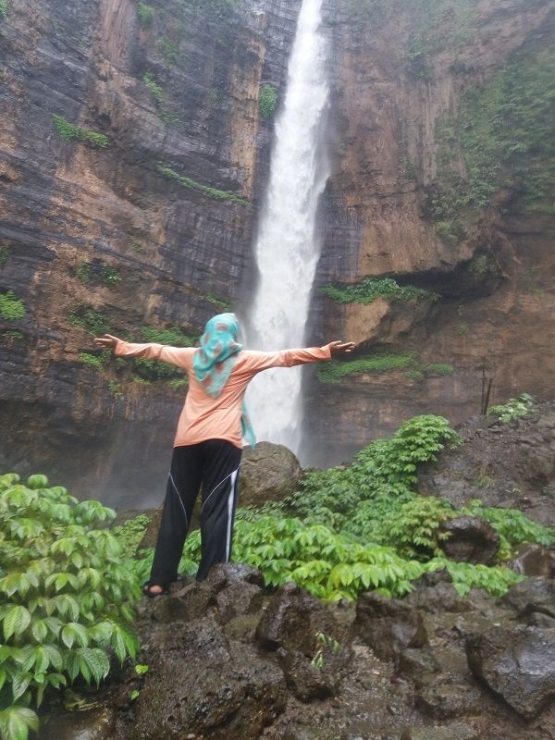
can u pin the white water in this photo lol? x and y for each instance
(288, 244)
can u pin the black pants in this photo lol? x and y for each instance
(214, 464)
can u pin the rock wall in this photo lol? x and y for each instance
(150, 229)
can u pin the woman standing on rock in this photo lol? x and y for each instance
(209, 438)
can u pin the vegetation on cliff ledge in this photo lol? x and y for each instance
(11, 308)
(501, 140)
(187, 182)
(70, 132)
(369, 289)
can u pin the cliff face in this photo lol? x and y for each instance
(146, 229)
(440, 182)
(133, 160)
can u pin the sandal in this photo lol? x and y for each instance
(148, 589)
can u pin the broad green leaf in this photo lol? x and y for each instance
(16, 621)
(20, 682)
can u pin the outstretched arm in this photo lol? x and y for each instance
(179, 356)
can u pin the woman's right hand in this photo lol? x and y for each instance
(107, 341)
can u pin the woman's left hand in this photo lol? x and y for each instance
(341, 348)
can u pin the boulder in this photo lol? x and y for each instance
(532, 595)
(269, 472)
(517, 664)
(198, 682)
(471, 540)
(534, 560)
(294, 619)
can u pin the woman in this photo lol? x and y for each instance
(209, 437)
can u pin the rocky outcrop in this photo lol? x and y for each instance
(227, 660)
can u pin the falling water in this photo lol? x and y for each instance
(288, 246)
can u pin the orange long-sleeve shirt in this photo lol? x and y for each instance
(202, 416)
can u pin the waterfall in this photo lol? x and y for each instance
(288, 244)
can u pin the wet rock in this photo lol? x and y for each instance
(532, 595)
(420, 666)
(388, 626)
(471, 540)
(230, 590)
(197, 681)
(292, 621)
(517, 664)
(434, 592)
(318, 677)
(444, 699)
(454, 731)
(269, 472)
(97, 724)
(534, 560)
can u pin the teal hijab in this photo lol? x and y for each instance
(214, 360)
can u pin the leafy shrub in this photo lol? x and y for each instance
(513, 526)
(3, 9)
(65, 597)
(415, 528)
(330, 566)
(466, 576)
(267, 101)
(514, 408)
(70, 132)
(11, 308)
(130, 534)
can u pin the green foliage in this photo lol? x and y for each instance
(4, 254)
(514, 408)
(65, 597)
(154, 88)
(503, 131)
(383, 476)
(96, 361)
(145, 14)
(440, 368)
(173, 336)
(98, 272)
(11, 308)
(371, 288)
(335, 370)
(169, 49)
(70, 132)
(159, 98)
(90, 319)
(513, 526)
(466, 576)
(3, 13)
(186, 182)
(267, 101)
(222, 304)
(415, 528)
(330, 566)
(130, 534)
